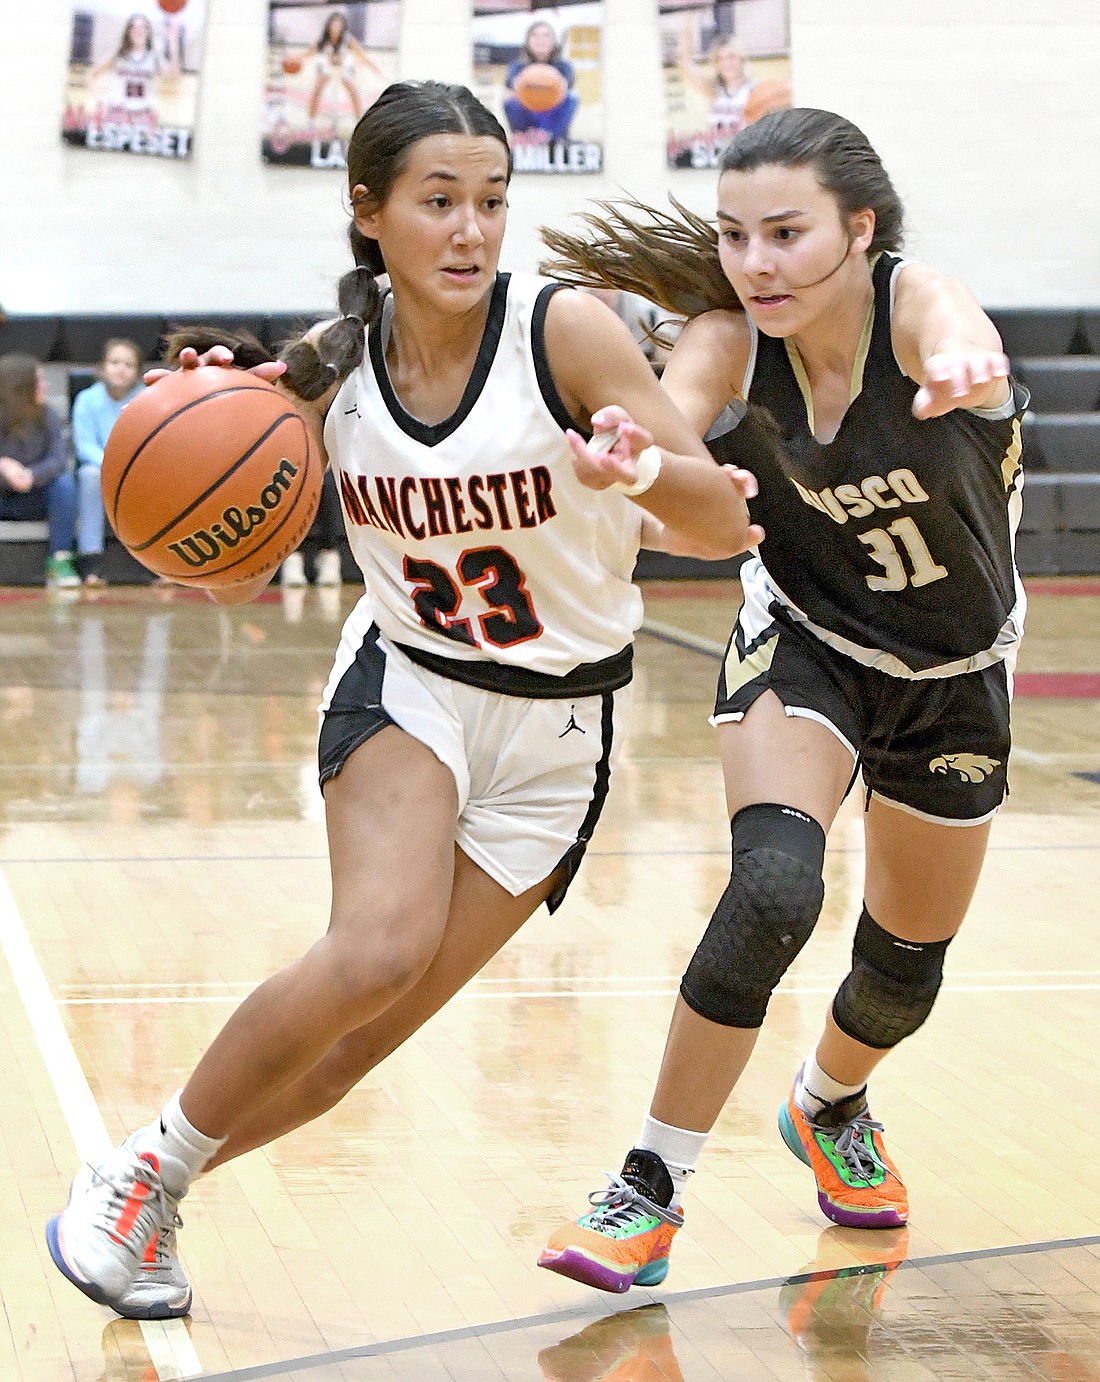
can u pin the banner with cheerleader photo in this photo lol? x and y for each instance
(538, 68)
(134, 76)
(326, 64)
(725, 64)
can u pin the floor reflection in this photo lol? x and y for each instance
(155, 703)
(118, 729)
(1017, 1313)
(635, 1345)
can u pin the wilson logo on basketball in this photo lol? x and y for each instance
(205, 545)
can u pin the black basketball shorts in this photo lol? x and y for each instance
(935, 747)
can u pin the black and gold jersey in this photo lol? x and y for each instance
(894, 540)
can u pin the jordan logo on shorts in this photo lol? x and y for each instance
(571, 725)
(971, 767)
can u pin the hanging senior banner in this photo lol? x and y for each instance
(326, 64)
(538, 67)
(725, 65)
(134, 75)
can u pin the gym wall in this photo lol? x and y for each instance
(985, 115)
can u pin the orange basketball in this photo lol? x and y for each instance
(540, 86)
(210, 476)
(292, 64)
(171, 6)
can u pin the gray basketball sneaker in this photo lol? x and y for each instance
(160, 1291)
(115, 1211)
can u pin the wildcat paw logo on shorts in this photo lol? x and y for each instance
(971, 767)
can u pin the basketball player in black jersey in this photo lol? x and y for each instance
(879, 628)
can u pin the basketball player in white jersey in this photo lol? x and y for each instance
(472, 719)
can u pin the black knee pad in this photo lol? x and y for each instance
(764, 918)
(891, 988)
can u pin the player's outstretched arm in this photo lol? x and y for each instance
(946, 344)
(606, 383)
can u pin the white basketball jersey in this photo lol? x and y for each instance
(475, 537)
(134, 76)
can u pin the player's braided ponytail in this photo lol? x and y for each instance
(326, 357)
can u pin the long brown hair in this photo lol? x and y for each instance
(19, 405)
(673, 259)
(670, 259)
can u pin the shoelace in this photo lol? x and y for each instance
(861, 1161)
(154, 1212)
(165, 1249)
(620, 1205)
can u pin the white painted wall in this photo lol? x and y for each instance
(987, 115)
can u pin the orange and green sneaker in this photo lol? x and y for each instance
(857, 1183)
(625, 1240)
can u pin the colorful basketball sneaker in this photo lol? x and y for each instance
(626, 1239)
(160, 1291)
(857, 1183)
(630, 1346)
(115, 1210)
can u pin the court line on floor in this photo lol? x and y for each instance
(460, 1335)
(488, 979)
(591, 853)
(152, 1000)
(170, 1348)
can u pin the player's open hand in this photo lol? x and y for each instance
(745, 483)
(958, 379)
(189, 358)
(611, 456)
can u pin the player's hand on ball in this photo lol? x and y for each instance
(190, 358)
(611, 456)
(958, 379)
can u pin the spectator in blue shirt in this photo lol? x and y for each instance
(36, 480)
(95, 410)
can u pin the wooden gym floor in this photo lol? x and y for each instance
(162, 850)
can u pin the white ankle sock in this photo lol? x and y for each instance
(180, 1148)
(815, 1088)
(678, 1148)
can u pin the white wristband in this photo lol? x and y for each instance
(648, 468)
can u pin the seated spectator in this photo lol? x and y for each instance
(36, 480)
(326, 534)
(94, 413)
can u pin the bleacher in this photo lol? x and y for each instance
(70, 347)
(1057, 355)
(1055, 352)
